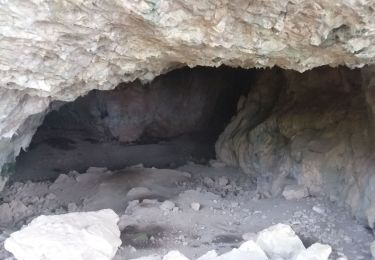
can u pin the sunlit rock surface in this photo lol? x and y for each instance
(73, 236)
(62, 49)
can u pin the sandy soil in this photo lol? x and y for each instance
(157, 214)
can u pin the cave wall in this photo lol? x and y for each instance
(313, 129)
(198, 101)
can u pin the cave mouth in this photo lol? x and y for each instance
(204, 158)
(174, 119)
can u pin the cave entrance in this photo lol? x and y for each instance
(165, 123)
(226, 154)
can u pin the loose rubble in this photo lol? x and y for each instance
(167, 205)
(276, 242)
(156, 209)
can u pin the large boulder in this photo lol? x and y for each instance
(72, 236)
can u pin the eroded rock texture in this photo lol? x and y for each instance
(62, 49)
(59, 50)
(313, 128)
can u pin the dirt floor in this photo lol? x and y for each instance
(52, 155)
(159, 210)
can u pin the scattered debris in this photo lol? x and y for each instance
(223, 181)
(208, 182)
(152, 223)
(276, 242)
(167, 205)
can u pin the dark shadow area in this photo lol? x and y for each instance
(174, 119)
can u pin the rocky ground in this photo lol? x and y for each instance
(193, 209)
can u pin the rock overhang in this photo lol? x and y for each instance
(60, 50)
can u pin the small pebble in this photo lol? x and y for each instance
(167, 205)
(195, 206)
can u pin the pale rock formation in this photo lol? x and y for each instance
(62, 49)
(14, 210)
(195, 206)
(280, 241)
(291, 192)
(248, 250)
(316, 251)
(167, 205)
(72, 236)
(174, 255)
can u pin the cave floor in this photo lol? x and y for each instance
(156, 214)
(53, 154)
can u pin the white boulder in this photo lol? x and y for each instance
(72, 236)
(175, 255)
(195, 206)
(249, 236)
(316, 251)
(280, 241)
(248, 250)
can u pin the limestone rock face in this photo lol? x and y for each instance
(314, 128)
(62, 49)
